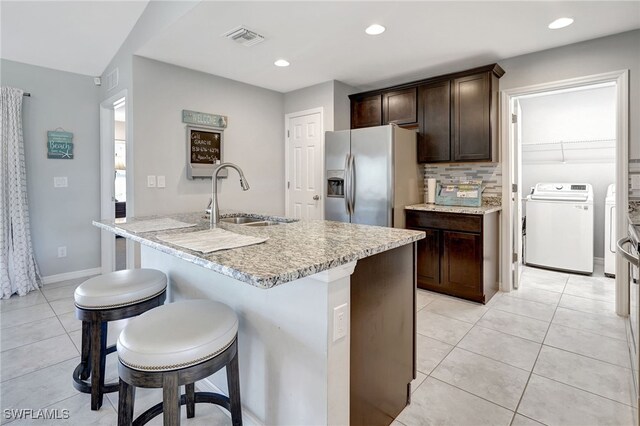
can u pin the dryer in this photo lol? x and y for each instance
(560, 222)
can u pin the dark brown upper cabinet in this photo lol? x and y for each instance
(366, 111)
(456, 114)
(458, 117)
(400, 107)
(434, 122)
(473, 121)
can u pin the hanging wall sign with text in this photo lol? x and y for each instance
(60, 145)
(204, 119)
(204, 149)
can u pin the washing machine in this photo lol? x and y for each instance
(560, 227)
(610, 232)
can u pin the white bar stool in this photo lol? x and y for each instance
(110, 297)
(174, 345)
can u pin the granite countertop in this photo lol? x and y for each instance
(293, 250)
(482, 210)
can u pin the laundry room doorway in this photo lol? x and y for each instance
(567, 152)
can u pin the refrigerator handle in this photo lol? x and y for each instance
(352, 183)
(347, 183)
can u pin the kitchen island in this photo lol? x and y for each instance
(297, 365)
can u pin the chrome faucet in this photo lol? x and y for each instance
(215, 213)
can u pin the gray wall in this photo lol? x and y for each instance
(332, 96)
(613, 53)
(254, 139)
(60, 216)
(342, 105)
(319, 95)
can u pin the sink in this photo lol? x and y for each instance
(240, 220)
(263, 223)
(256, 220)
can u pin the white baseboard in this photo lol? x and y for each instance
(205, 385)
(598, 260)
(71, 275)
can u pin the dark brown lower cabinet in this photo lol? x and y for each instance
(382, 336)
(459, 255)
(428, 266)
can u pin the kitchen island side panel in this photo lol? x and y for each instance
(383, 289)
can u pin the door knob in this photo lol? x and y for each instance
(316, 197)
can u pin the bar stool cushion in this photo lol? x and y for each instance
(120, 288)
(177, 335)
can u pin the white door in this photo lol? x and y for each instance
(305, 165)
(112, 111)
(516, 196)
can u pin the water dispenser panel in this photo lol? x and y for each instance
(335, 183)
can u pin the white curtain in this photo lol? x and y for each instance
(18, 270)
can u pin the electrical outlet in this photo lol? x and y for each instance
(60, 182)
(635, 181)
(62, 251)
(340, 322)
(151, 181)
(161, 182)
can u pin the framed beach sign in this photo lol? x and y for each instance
(59, 145)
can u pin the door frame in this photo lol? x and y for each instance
(107, 167)
(621, 79)
(287, 118)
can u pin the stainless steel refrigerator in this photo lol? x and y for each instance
(371, 174)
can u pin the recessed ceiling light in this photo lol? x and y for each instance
(375, 29)
(281, 63)
(560, 23)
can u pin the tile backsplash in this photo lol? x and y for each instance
(490, 173)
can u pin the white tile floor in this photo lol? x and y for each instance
(553, 352)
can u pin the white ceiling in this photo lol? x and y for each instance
(326, 40)
(322, 40)
(75, 36)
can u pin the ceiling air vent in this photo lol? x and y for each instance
(244, 36)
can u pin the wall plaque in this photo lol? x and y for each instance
(59, 145)
(204, 119)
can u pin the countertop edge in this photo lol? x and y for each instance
(482, 210)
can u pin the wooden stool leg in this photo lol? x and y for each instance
(86, 351)
(233, 382)
(170, 399)
(126, 399)
(98, 349)
(190, 391)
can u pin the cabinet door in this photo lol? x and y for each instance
(400, 107)
(434, 122)
(366, 111)
(461, 265)
(471, 118)
(429, 259)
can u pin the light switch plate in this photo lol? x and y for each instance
(60, 182)
(151, 181)
(635, 181)
(340, 322)
(161, 182)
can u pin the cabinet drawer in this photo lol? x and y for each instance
(451, 221)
